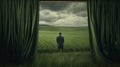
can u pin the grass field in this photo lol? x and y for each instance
(76, 48)
(76, 51)
(76, 38)
(66, 59)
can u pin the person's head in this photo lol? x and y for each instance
(60, 33)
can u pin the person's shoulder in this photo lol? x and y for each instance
(62, 36)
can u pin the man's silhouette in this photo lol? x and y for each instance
(60, 41)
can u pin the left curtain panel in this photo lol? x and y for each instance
(18, 29)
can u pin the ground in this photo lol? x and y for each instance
(76, 51)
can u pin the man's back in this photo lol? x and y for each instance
(60, 39)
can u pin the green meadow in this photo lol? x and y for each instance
(76, 49)
(76, 38)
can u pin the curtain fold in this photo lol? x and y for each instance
(104, 24)
(18, 29)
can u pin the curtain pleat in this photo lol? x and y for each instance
(18, 29)
(104, 28)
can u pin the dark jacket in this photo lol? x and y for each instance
(60, 39)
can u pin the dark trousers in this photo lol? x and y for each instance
(60, 47)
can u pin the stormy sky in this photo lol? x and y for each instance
(63, 13)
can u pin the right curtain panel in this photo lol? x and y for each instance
(104, 28)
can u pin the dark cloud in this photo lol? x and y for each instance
(55, 6)
(48, 16)
(63, 13)
(68, 6)
(79, 9)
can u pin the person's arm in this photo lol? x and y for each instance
(57, 39)
(63, 39)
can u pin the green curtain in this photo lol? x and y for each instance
(104, 28)
(18, 29)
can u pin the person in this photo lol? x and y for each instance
(60, 41)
